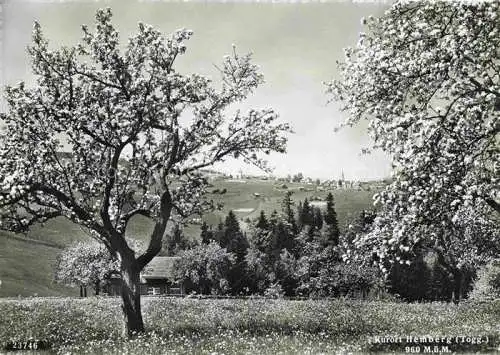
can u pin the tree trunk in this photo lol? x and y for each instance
(131, 297)
(131, 266)
(457, 286)
(97, 287)
(456, 273)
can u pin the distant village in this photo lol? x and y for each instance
(326, 184)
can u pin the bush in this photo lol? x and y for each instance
(324, 274)
(205, 268)
(487, 285)
(274, 291)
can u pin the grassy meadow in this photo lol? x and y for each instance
(244, 326)
(240, 195)
(26, 269)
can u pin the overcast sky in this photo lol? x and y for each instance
(296, 46)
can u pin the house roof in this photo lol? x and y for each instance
(161, 267)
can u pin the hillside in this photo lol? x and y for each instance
(26, 269)
(26, 263)
(249, 196)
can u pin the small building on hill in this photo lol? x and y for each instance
(157, 278)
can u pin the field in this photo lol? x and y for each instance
(26, 264)
(26, 269)
(251, 326)
(241, 195)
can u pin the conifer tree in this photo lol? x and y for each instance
(232, 237)
(227, 229)
(289, 216)
(236, 243)
(219, 233)
(317, 218)
(306, 217)
(206, 233)
(333, 232)
(176, 241)
(262, 222)
(262, 234)
(282, 239)
(300, 225)
(273, 220)
(330, 214)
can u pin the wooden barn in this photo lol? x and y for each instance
(157, 278)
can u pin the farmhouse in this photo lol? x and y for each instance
(157, 278)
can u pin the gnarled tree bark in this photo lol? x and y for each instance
(131, 297)
(131, 268)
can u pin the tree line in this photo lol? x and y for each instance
(300, 251)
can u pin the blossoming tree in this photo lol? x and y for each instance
(426, 77)
(86, 264)
(89, 264)
(138, 133)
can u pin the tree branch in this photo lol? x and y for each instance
(493, 204)
(156, 238)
